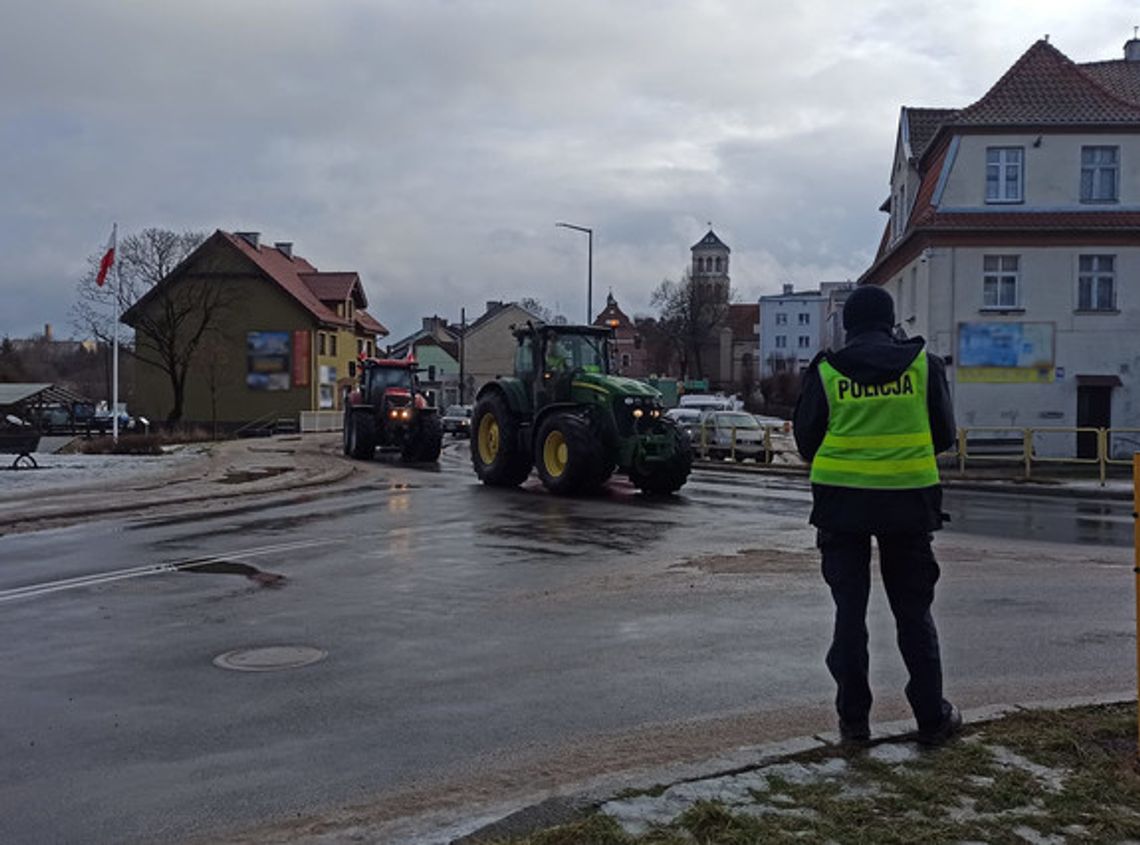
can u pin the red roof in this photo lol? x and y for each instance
(286, 272)
(370, 324)
(336, 287)
(742, 319)
(1042, 88)
(1120, 77)
(293, 274)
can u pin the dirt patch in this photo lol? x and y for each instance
(246, 476)
(753, 561)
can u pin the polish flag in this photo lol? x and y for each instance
(108, 257)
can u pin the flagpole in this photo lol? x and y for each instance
(115, 358)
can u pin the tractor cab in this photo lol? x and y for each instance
(548, 358)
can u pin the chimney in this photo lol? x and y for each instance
(47, 332)
(250, 238)
(492, 304)
(788, 288)
(285, 248)
(1132, 50)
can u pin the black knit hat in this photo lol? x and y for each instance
(868, 307)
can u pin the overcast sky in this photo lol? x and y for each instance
(431, 145)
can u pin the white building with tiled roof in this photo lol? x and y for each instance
(1013, 246)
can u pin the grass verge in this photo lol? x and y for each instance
(1066, 776)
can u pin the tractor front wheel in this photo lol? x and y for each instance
(426, 441)
(567, 455)
(360, 439)
(496, 453)
(666, 477)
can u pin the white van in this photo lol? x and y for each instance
(707, 402)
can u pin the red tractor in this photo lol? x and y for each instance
(387, 410)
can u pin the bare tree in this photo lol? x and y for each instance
(691, 312)
(547, 315)
(170, 320)
(141, 261)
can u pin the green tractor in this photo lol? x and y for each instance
(566, 415)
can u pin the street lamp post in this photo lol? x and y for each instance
(589, 267)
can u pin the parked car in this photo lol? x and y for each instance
(689, 419)
(774, 423)
(725, 434)
(457, 420)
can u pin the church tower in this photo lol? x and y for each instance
(710, 263)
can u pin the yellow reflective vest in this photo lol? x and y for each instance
(878, 436)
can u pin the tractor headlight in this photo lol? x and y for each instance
(629, 400)
(637, 412)
(393, 414)
(405, 413)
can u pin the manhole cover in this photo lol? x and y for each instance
(270, 658)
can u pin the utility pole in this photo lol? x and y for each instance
(462, 355)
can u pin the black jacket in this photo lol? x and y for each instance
(874, 357)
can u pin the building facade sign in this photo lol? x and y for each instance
(1006, 352)
(267, 356)
(302, 357)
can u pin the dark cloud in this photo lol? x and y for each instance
(433, 145)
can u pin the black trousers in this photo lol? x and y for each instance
(909, 575)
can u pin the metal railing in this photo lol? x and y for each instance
(317, 421)
(1023, 446)
(737, 451)
(1029, 450)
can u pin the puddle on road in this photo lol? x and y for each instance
(225, 567)
(751, 561)
(255, 474)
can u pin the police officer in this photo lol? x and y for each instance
(871, 418)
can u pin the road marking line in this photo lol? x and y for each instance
(98, 578)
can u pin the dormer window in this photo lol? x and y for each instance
(1004, 174)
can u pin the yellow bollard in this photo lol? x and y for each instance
(1136, 575)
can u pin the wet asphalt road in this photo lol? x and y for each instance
(463, 624)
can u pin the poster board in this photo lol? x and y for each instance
(267, 360)
(1006, 353)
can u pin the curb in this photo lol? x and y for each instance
(99, 511)
(1047, 488)
(558, 810)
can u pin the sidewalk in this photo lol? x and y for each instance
(74, 488)
(1047, 774)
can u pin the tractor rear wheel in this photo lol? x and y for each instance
(567, 455)
(426, 440)
(666, 477)
(496, 452)
(361, 436)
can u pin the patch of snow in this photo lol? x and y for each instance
(894, 753)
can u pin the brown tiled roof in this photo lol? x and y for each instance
(336, 287)
(1120, 77)
(1046, 87)
(922, 126)
(286, 272)
(366, 322)
(742, 319)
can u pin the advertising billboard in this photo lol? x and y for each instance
(267, 360)
(1006, 352)
(302, 359)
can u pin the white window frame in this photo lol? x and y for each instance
(804, 342)
(1001, 273)
(781, 341)
(1092, 271)
(1001, 162)
(1094, 170)
(804, 319)
(781, 319)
